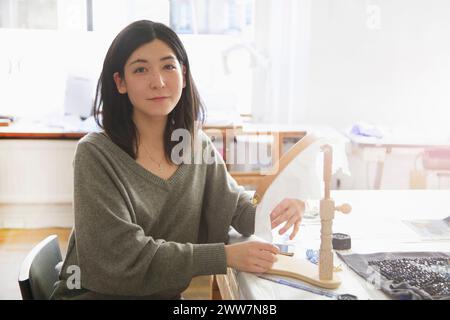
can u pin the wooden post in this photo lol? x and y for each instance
(326, 219)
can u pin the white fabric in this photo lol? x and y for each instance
(282, 35)
(301, 179)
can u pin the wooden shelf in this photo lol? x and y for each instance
(225, 133)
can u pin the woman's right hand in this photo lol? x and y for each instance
(251, 256)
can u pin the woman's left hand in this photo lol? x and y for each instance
(289, 211)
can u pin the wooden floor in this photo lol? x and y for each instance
(16, 243)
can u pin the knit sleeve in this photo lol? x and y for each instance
(226, 203)
(115, 256)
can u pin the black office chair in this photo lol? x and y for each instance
(38, 272)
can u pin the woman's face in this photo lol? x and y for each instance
(153, 80)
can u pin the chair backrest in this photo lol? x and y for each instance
(38, 273)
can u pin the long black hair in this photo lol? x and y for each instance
(113, 111)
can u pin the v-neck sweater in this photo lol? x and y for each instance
(136, 235)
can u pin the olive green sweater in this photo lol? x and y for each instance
(136, 235)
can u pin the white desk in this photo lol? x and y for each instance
(375, 150)
(375, 226)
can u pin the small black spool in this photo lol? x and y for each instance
(341, 241)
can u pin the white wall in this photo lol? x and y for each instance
(36, 183)
(393, 73)
(381, 61)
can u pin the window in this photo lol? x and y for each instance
(36, 47)
(43, 14)
(211, 17)
(111, 16)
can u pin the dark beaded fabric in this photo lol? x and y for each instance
(429, 274)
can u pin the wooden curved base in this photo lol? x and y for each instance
(303, 270)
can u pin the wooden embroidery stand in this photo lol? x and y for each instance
(303, 269)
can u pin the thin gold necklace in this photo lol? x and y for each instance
(151, 158)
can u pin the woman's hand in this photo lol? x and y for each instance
(251, 256)
(289, 211)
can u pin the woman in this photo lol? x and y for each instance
(146, 222)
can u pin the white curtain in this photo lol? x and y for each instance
(282, 34)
